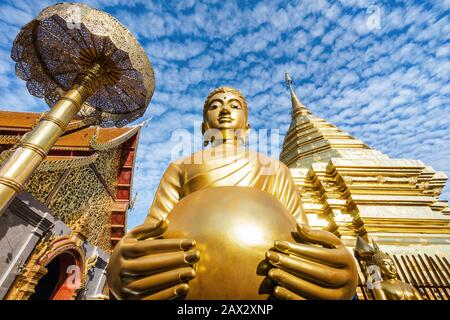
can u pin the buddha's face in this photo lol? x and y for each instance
(225, 111)
(388, 269)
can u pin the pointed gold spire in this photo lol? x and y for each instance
(297, 106)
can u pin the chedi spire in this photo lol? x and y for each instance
(297, 106)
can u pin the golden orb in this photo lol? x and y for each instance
(234, 227)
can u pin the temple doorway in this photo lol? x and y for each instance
(59, 283)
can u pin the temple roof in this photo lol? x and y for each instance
(79, 135)
(20, 121)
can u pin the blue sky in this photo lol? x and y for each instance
(388, 86)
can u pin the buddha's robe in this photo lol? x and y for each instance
(394, 289)
(226, 165)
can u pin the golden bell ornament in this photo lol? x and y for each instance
(234, 227)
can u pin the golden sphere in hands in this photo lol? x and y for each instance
(234, 227)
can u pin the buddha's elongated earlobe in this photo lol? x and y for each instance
(205, 128)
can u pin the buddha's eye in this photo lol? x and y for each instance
(214, 105)
(235, 106)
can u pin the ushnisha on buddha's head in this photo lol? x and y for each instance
(225, 115)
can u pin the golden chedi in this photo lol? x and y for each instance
(202, 200)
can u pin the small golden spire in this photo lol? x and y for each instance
(297, 106)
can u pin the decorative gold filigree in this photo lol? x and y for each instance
(8, 139)
(55, 165)
(82, 203)
(70, 163)
(83, 193)
(41, 183)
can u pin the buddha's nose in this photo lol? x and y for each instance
(225, 110)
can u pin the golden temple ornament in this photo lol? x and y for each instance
(85, 64)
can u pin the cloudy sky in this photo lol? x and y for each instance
(377, 69)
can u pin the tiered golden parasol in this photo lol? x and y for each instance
(85, 65)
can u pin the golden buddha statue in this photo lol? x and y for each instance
(391, 288)
(387, 286)
(149, 264)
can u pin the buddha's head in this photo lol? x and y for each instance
(386, 265)
(225, 109)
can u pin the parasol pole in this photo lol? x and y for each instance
(35, 145)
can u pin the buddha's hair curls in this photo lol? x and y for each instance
(224, 89)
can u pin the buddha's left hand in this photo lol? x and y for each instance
(319, 268)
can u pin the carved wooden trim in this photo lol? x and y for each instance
(102, 180)
(57, 187)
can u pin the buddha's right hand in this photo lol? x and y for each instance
(143, 266)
